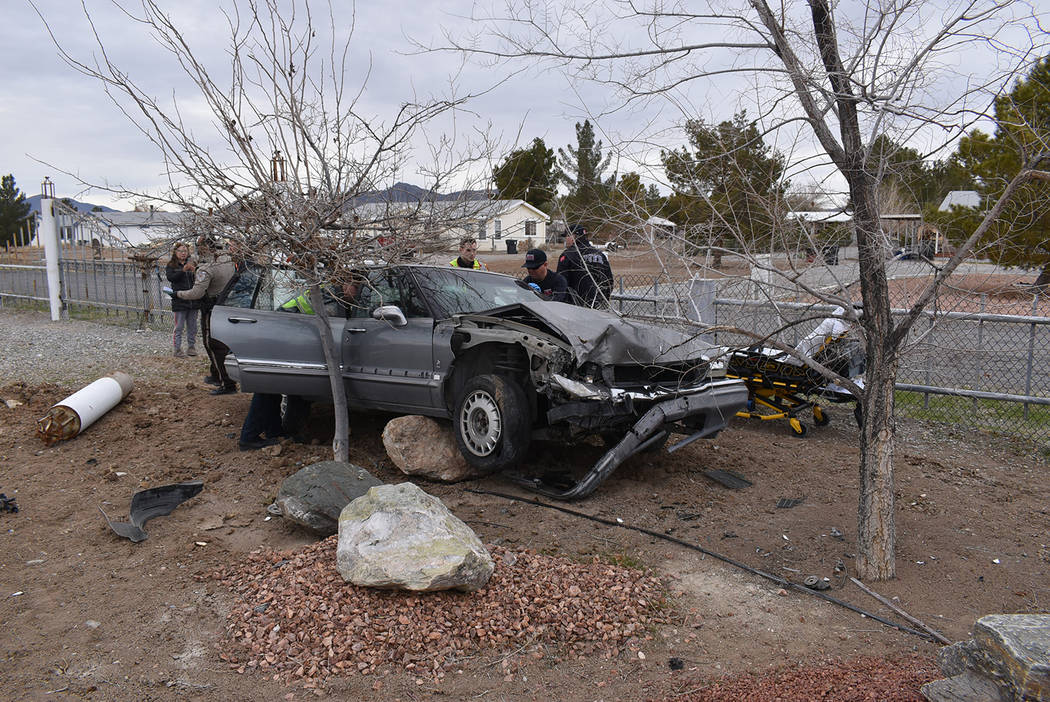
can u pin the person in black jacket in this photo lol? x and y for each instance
(586, 270)
(180, 272)
(549, 284)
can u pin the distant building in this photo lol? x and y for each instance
(445, 223)
(134, 228)
(960, 198)
(116, 229)
(659, 228)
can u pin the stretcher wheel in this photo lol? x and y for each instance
(820, 418)
(798, 427)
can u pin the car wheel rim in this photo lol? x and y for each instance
(480, 423)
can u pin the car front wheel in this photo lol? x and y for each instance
(492, 422)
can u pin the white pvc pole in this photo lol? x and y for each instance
(80, 410)
(49, 237)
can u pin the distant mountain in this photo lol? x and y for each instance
(406, 192)
(34, 205)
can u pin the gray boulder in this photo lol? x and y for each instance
(399, 537)
(1008, 659)
(425, 447)
(316, 495)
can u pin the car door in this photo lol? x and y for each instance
(272, 350)
(387, 365)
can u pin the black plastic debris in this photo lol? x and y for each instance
(815, 582)
(731, 479)
(675, 663)
(789, 502)
(8, 504)
(154, 502)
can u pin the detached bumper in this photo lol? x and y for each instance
(709, 411)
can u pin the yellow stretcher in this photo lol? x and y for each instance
(779, 386)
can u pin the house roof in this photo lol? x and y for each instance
(829, 216)
(154, 218)
(659, 222)
(960, 198)
(449, 210)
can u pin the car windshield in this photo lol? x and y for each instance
(456, 291)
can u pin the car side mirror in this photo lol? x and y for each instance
(390, 313)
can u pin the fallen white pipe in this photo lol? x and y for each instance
(80, 410)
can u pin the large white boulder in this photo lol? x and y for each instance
(399, 537)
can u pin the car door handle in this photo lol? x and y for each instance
(354, 329)
(237, 320)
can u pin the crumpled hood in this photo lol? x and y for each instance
(604, 338)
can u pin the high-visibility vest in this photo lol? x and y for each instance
(299, 304)
(478, 265)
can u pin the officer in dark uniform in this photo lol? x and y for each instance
(550, 284)
(586, 270)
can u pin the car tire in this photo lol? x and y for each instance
(491, 422)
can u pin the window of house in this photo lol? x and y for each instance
(482, 231)
(530, 228)
(498, 229)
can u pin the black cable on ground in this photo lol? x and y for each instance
(787, 584)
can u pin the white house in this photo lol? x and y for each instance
(508, 219)
(135, 228)
(116, 229)
(491, 222)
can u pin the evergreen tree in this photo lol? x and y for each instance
(729, 188)
(14, 212)
(530, 175)
(1022, 236)
(581, 169)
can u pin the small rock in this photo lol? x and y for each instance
(92, 624)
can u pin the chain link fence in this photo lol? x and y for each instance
(96, 284)
(965, 362)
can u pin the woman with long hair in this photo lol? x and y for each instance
(180, 271)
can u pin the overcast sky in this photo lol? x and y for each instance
(51, 114)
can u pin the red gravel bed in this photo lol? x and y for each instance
(855, 680)
(296, 619)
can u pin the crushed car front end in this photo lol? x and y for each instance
(596, 374)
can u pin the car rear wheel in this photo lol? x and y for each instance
(492, 422)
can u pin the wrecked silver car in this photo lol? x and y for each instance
(484, 351)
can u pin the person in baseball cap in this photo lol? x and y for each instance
(551, 285)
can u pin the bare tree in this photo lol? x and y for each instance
(290, 147)
(834, 76)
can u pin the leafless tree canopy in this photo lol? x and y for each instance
(825, 81)
(287, 146)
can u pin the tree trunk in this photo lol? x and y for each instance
(876, 532)
(340, 447)
(876, 526)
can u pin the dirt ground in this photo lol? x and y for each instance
(88, 615)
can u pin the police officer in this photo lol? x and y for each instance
(586, 270)
(214, 272)
(468, 249)
(551, 285)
